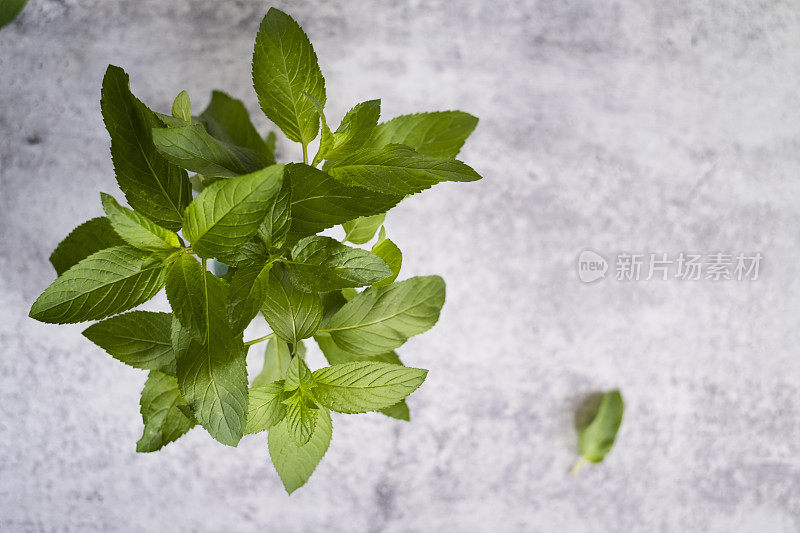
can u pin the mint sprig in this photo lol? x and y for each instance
(262, 220)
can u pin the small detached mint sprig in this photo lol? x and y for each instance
(262, 219)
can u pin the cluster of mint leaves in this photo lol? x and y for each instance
(261, 220)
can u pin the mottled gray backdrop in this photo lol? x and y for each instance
(626, 126)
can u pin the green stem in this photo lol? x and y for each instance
(260, 339)
(305, 153)
(578, 466)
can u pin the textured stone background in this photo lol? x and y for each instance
(638, 126)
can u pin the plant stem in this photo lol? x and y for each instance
(578, 466)
(305, 153)
(260, 339)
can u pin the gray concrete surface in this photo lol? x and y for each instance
(627, 126)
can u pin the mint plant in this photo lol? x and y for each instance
(262, 220)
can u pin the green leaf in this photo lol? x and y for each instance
(137, 230)
(153, 186)
(398, 169)
(380, 319)
(10, 9)
(298, 375)
(141, 339)
(186, 279)
(192, 148)
(349, 293)
(323, 264)
(247, 293)
(253, 253)
(391, 255)
(596, 439)
(326, 137)
(336, 356)
(107, 282)
(164, 421)
(361, 230)
(301, 414)
(320, 202)
(398, 411)
(274, 228)
(228, 213)
(182, 107)
(355, 129)
(365, 386)
(171, 122)
(291, 313)
(266, 407)
(331, 302)
(285, 66)
(438, 134)
(271, 140)
(277, 358)
(90, 237)
(294, 463)
(212, 374)
(227, 119)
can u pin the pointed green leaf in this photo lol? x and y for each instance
(294, 463)
(164, 421)
(398, 169)
(212, 375)
(153, 186)
(365, 386)
(137, 230)
(438, 134)
(182, 107)
(266, 407)
(291, 313)
(380, 319)
(596, 439)
(247, 293)
(90, 237)
(228, 213)
(361, 230)
(277, 358)
(391, 255)
(107, 282)
(355, 129)
(298, 375)
(227, 119)
(141, 339)
(337, 356)
(193, 148)
(320, 202)
(398, 411)
(285, 65)
(323, 264)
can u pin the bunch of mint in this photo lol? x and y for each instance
(261, 220)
